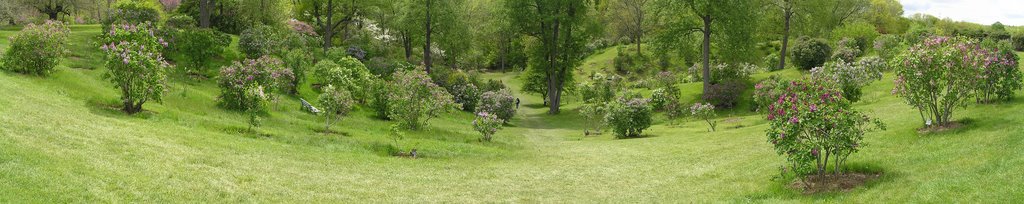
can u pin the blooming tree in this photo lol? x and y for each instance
(135, 65)
(814, 127)
(414, 99)
(336, 103)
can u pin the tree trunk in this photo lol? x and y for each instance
(426, 46)
(787, 15)
(706, 53)
(407, 44)
(329, 26)
(204, 13)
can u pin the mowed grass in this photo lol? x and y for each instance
(62, 140)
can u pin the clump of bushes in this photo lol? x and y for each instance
(1001, 77)
(265, 76)
(706, 112)
(135, 65)
(810, 52)
(850, 76)
(846, 50)
(37, 49)
(336, 103)
(629, 116)
(499, 103)
(888, 46)
(414, 99)
(346, 73)
(198, 45)
(815, 127)
(299, 60)
(725, 94)
(133, 13)
(259, 41)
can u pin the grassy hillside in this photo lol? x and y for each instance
(63, 140)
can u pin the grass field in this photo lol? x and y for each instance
(62, 139)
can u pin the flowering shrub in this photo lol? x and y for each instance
(467, 95)
(629, 116)
(938, 75)
(810, 52)
(414, 99)
(255, 101)
(197, 45)
(706, 112)
(37, 49)
(724, 72)
(846, 50)
(135, 65)
(348, 73)
(767, 91)
(301, 27)
(487, 124)
(850, 77)
(1001, 77)
(814, 127)
(267, 75)
(600, 88)
(336, 103)
(725, 94)
(500, 103)
(666, 78)
(260, 40)
(593, 114)
(133, 13)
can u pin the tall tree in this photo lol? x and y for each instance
(204, 13)
(789, 8)
(556, 25)
(633, 21)
(729, 21)
(52, 8)
(330, 16)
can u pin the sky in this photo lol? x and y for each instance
(986, 12)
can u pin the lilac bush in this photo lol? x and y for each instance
(414, 99)
(336, 103)
(487, 124)
(629, 116)
(706, 112)
(500, 103)
(938, 75)
(1001, 77)
(267, 74)
(135, 65)
(36, 49)
(815, 127)
(850, 76)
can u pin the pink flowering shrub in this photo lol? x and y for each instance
(1001, 77)
(414, 99)
(37, 49)
(487, 124)
(135, 64)
(629, 116)
(850, 76)
(815, 127)
(706, 112)
(939, 75)
(266, 76)
(301, 27)
(336, 103)
(500, 103)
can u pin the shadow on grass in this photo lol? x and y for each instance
(112, 109)
(782, 186)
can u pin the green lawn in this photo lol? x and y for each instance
(62, 140)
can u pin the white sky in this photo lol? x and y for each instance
(986, 12)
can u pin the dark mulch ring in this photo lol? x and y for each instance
(833, 183)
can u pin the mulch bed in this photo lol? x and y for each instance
(941, 128)
(833, 183)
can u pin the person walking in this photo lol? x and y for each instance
(517, 103)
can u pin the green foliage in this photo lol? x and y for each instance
(260, 40)
(379, 93)
(198, 45)
(725, 94)
(133, 13)
(487, 124)
(851, 77)
(265, 76)
(861, 32)
(135, 65)
(336, 103)
(772, 61)
(1001, 77)
(629, 116)
(500, 103)
(593, 115)
(180, 21)
(299, 61)
(558, 49)
(938, 75)
(36, 49)
(814, 127)
(706, 112)
(226, 17)
(600, 89)
(347, 73)
(414, 99)
(810, 52)
(889, 46)
(846, 50)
